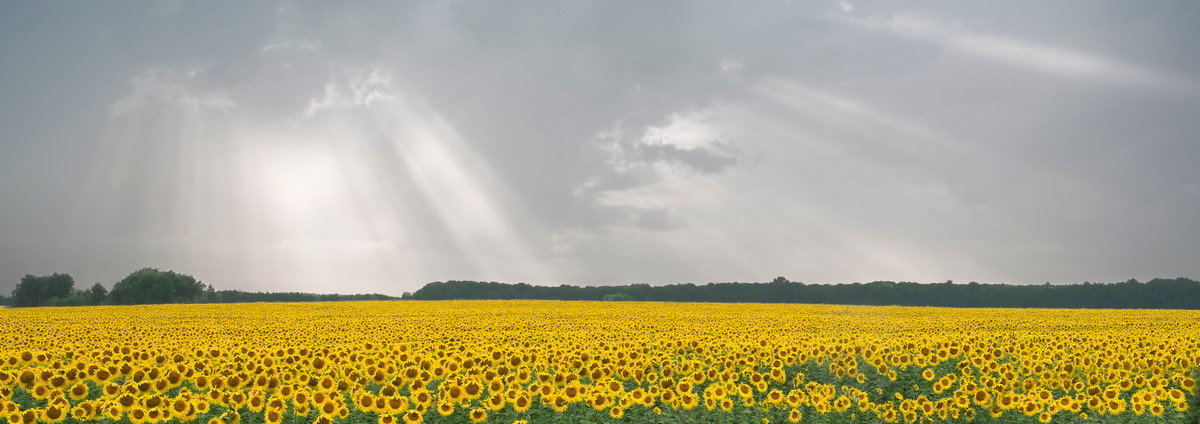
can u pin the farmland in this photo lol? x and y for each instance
(546, 361)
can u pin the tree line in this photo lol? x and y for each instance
(148, 286)
(237, 296)
(1178, 293)
(153, 286)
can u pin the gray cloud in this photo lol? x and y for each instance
(375, 147)
(704, 160)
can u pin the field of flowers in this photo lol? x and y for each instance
(581, 362)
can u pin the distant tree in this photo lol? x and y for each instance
(1179, 293)
(150, 285)
(77, 298)
(97, 295)
(38, 291)
(237, 296)
(617, 297)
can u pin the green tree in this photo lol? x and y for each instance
(1179, 293)
(77, 298)
(98, 294)
(38, 291)
(150, 285)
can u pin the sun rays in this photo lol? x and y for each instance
(364, 181)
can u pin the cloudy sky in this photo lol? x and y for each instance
(335, 147)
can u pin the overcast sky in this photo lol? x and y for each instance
(337, 147)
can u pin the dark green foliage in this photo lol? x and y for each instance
(77, 298)
(618, 297)
(38, 291)
(150, 285)
(97, 295)
(236, 296)
(1179, 293)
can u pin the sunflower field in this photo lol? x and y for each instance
(593, 362)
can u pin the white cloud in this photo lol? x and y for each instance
(296, 45)
(170, 87)
(642, 174)
(688, 142)
(351, 87)
(1029, 55)
(730, 66)
(846, 6)
(685, 130)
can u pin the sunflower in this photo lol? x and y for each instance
(30, 416)
(559, 404)
(1156, 409)
(412, 416)
(478, 415)
(522, 403)
(329, 408)
(928, 374)
(126, 402)
(57, 381)
(1116, 406)
(273, 416)
(795, 415)
(445, 408)
(83, 411)
(256, 403)
(111, 412)
(472, 389)
(366, 402)
(1139, 409)
(40, 392)
(1006, 401)
(180, 406)
(137, 415)
(397, 403)
(600, 402)
(455, 393)
(422, 398)
(983, 398)
(616, 412)
(688, 400)
(301, 398)
(78, 391)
